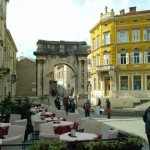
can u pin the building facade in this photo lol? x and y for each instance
(26, 77)
(119, 58)
(8, 52)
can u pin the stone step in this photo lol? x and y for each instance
(143, 105)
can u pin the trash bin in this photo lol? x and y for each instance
(97, 110)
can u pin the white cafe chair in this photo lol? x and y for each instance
(14, 117)
(60, 114)
(113, 134)
(72, 117)
(47, 131)
(22, 122)
(15, 130)
(12, 140)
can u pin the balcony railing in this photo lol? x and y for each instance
(105, 68)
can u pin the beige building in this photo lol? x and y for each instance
(26, 77)
(65, 80)
(8, 52)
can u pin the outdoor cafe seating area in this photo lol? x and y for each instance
(49, 123)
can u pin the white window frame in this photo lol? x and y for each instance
(93, 44)
(106, 38)
(133, 57)
(146, 55)
(99, 84)
(141, 81)
(106, 59)
(146, 81)
(98, 61)
(94, 81)
(123, 39)
(135, 35)
(120, 82)
(125, 57)
(146, 35)
(98, 41)
(94, 63)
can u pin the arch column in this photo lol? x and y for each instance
(79, 78)
(45, 78)
(39, 77)
(85, 77)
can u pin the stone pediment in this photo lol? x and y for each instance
(60, 47)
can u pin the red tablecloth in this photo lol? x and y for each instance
(62, 129)
(3, 131)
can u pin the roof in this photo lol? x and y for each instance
(23, 58)
(134, 13)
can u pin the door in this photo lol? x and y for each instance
(107, 86)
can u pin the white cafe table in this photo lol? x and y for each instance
(79, 136)
(4, 124)
(62, 123)
(51, 119)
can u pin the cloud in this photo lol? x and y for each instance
(70, 20)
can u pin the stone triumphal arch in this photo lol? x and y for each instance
(72, 54)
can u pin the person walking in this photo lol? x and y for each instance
(57, 103)
(72, 106)
(108, 108)
(99, 102)
(146, 119)
(86, 108)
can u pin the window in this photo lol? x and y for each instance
(146, 57)
(93, 44)
(99, 84)
(123, 82)
(123, 58)
(106, 59)
(122, 36)
(94, 63)
(98, 41)
(137, 82)
(135, 35)
(98, 61)
(147, 34)
(148, 82)
(136, 58)
(94, 83)
(106, 38)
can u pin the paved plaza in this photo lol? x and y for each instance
(131, 124)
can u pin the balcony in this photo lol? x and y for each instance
(105, 68)
(4, 69)
(13, 78)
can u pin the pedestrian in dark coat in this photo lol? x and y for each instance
(57, 103)
(72, 106)
(146, 119)
(86, 108)
(108, 109)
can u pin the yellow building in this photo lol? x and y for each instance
(10, 61)
(120, 55)
(7, 56)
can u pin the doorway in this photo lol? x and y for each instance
(107, 86)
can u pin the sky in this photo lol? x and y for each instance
(55, 20)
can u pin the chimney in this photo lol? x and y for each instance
(132, 9)
(122, 12)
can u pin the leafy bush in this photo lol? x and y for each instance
(48, 145)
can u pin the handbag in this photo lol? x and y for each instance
(109, 110)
